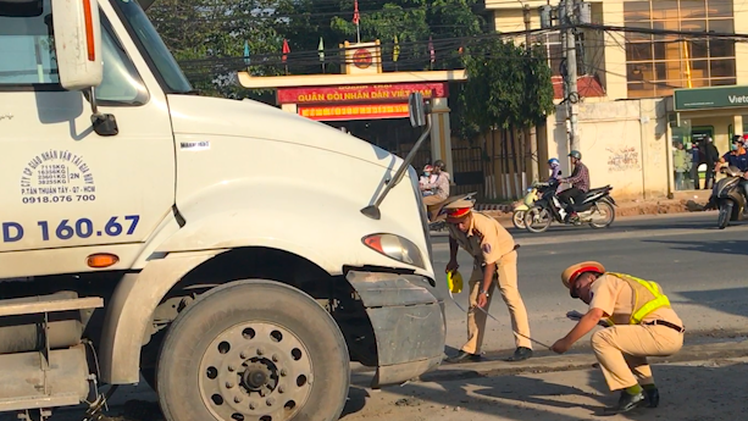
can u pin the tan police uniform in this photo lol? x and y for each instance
(489, 243)
(622, 350)
(643, 324)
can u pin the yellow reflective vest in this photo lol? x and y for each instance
(648, 297)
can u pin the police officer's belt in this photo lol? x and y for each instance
(664, 323)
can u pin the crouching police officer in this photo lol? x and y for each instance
(495, 259)
(642, 324)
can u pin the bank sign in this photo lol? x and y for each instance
(709, 98)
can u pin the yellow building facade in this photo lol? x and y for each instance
(630, 134)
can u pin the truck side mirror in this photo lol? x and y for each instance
(416, 109)
(80, 65)
(77, 39)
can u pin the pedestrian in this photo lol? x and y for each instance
(680, 164)
(495, 261)
(695, 162)
(642, 323)
(712, 157)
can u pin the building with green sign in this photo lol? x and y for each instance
(660, 89)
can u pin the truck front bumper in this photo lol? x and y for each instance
(408, 322)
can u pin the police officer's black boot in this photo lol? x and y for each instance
(463, 357)
(520, 354)
(626, 403)
(653, 395)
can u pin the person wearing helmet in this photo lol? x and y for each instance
(643, 324)
(555, 166)
(580, 184)
(439, 187)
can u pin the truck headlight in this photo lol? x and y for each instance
(395, 247)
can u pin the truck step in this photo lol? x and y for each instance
(27, 386)
(47, 304)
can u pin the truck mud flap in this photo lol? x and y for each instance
(408, 322)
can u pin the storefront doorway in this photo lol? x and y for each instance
(688, 155)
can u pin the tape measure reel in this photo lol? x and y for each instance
(454, 282)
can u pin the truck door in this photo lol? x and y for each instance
(62, 185)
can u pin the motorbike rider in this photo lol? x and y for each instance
(580, 185)
(737, 157)
(440, 188)
(555, 166)
(427, 178)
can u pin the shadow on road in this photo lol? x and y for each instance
(688, 393)
(726, 300)
(736, 247)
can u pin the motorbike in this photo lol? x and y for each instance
(534, 193)
(596, 208)
(729, 197)
(440, 222)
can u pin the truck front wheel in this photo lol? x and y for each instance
(253, 350)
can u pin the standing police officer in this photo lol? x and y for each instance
(495, 259)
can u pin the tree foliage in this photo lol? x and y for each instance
(207, 36)
(507, 87)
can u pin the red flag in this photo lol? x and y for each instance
(356, 17)
(286, 49)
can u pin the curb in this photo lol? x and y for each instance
(548, 362)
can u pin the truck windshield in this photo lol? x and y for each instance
(152, 46)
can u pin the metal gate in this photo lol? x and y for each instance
(468, 173)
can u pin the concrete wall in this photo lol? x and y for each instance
(623, 143)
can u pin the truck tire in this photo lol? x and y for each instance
(253, 350)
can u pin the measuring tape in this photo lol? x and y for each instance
(454, 282)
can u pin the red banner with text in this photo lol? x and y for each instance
(360, 93)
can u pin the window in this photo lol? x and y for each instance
(27, 58)
(26, 50)
(657, 64)
(554, 51)
(121, 84)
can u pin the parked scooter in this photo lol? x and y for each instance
(596, 209)
(534, 194)
(729, 197)
(440, 222)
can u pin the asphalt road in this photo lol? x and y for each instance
(702, 269)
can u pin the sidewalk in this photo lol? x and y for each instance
(681, 203)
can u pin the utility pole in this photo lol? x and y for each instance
(530, 133)
(570, 77)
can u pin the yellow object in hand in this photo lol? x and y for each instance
(454, 282)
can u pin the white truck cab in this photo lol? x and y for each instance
(229, 253)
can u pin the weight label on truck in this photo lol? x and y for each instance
(195, 146)
(57, 176)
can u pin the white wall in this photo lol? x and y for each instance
(623, 143)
